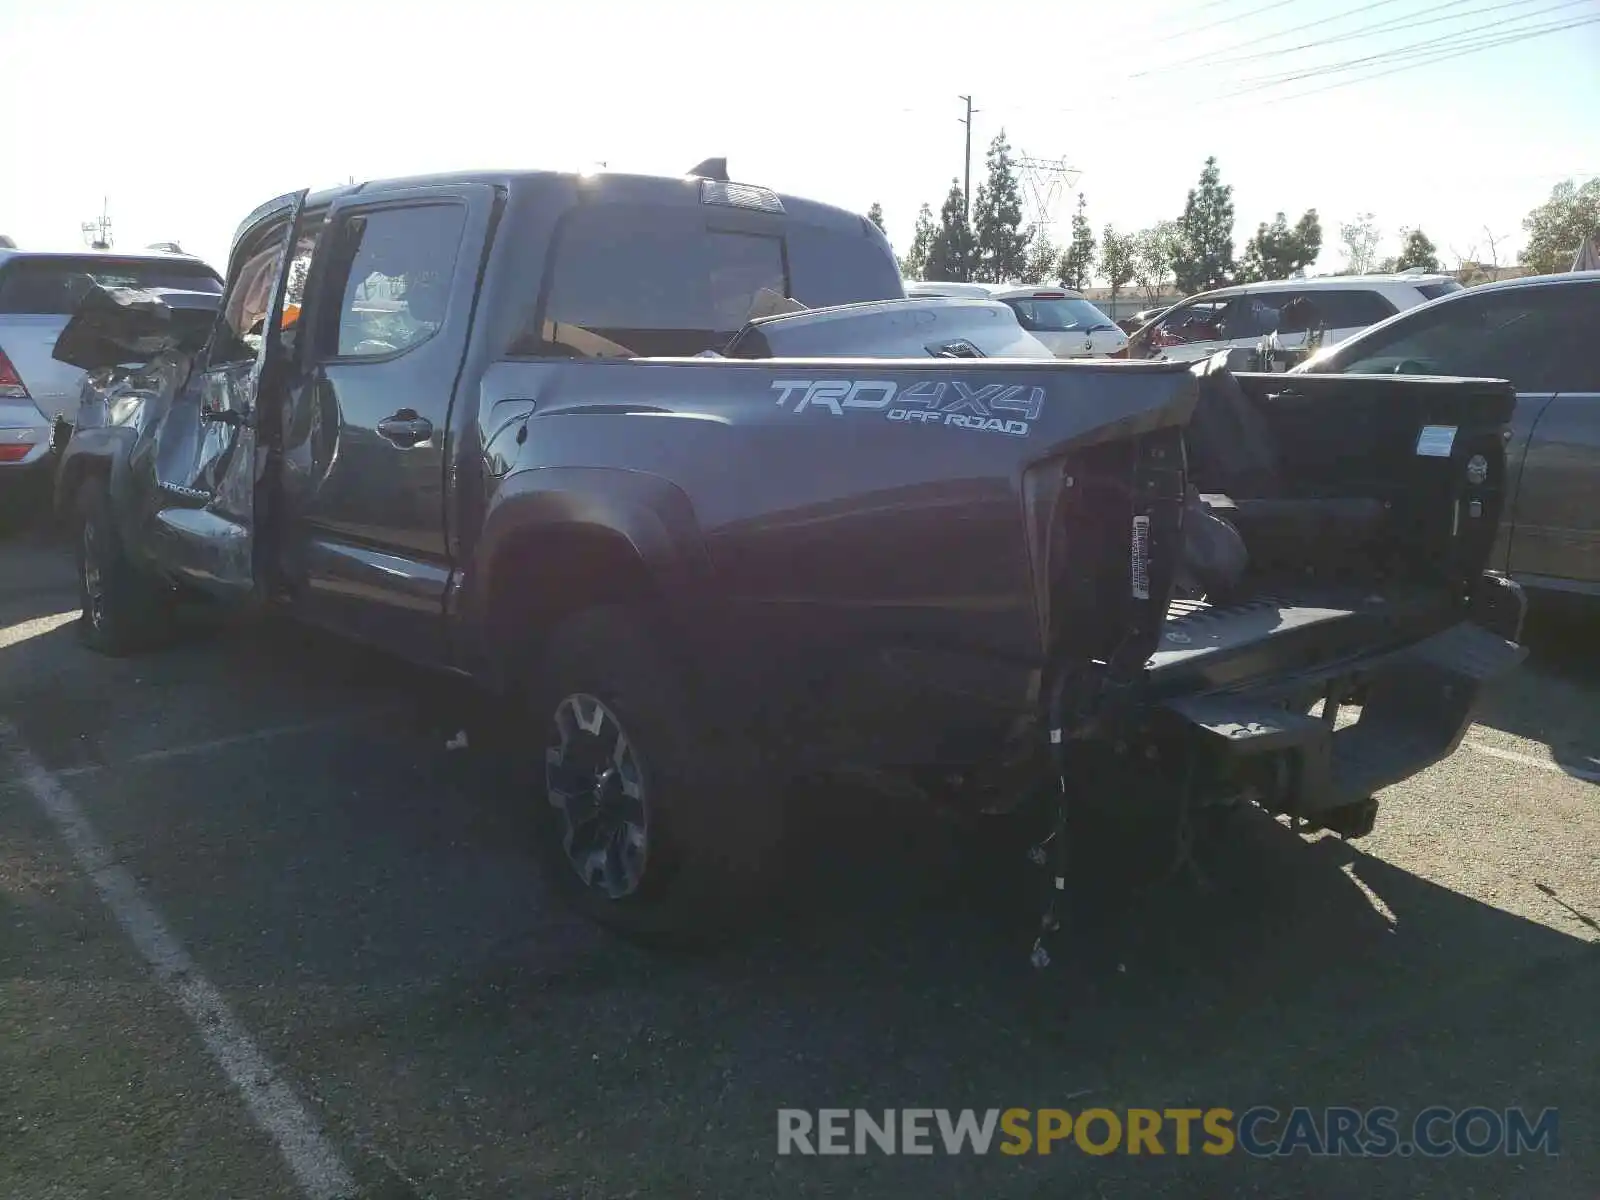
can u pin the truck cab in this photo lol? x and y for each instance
(324, 448)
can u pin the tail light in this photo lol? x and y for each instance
(11, 452)
(1121, 352)
(11, 385)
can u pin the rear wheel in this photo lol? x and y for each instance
(652, 824)
(124, 610)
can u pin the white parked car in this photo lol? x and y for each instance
(1243, 315)
(1059, 317)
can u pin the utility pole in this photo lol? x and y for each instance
(98, 233)
(966, 187)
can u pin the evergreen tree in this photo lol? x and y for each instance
(950, 251)
(1000, 243)
(1077, 264)
(1205, 247)
(915, 263)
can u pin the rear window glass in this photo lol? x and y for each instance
(1432, 291)
(53, 286)
(627, 283)
(631, 281)
(1067, 315)
(833, 266)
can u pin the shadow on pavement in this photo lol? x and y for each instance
(1555, 698)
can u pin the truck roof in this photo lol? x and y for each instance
(615, 186)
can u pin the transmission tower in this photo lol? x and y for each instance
(1046, 179)
(97, 233)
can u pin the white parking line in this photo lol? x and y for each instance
(277, 1111)
(1529, 760)
(10, 635)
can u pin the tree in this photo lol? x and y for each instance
(1277, 251)
(915, 262)
(1044, 256)
(1417, 250)
(1360, 238)
(1557, 228)
(1001, 244)
(875, 215)
(1205, 251)
(1154, 251)
(950, 250)
(1118, 252)
(1077, 264)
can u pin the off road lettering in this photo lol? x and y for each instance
(953, 404)
(836, 395)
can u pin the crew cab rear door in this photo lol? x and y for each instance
(368, 435)
(212, 469)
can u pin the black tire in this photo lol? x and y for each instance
(711, 825)
(124, 610)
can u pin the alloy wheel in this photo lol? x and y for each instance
(595, 779)
(94, 592)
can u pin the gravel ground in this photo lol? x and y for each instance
(365, 904)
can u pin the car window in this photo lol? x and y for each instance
(1533, 337)
(53, 286)
(1252, 315)
(1194, 322)
(238, 335)
(1350, 308)
(1576, 366)
(1059, 314)
(627, 282)
(396, 289)
(1432, 291)
(311, 227)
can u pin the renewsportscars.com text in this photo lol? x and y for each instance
(1260, 1131)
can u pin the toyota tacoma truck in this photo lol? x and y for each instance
(676, 473)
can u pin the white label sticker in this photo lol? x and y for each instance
(1436, 441)
(1141, 557)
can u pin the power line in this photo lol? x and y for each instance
(1394, 25)
(1254, 12)
(1267, 37)
(1488, 43)
(1456, 39)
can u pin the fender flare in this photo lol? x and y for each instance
(98, 450)
(650, 514)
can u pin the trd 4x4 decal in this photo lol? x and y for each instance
(993, 408)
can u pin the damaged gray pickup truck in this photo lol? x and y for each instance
(672, 468)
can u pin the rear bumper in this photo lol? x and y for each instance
(1416, 703)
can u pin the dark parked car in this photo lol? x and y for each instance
(522, 428)
(1542, 334)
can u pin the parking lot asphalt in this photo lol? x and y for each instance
(365, 908)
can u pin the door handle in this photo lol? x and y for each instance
(405, 428)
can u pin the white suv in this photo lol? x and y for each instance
(1061, 318)
(1338, 305)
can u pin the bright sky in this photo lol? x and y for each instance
(187, 115)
